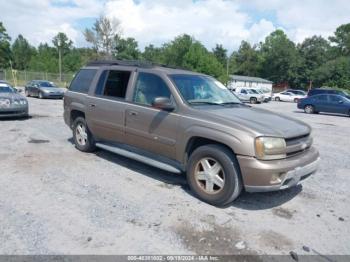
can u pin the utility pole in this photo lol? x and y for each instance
(60, 60)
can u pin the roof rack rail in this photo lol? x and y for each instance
(135, 63)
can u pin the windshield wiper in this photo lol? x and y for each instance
(204, 103)
(231, 103)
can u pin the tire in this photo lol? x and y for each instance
(83, 141)
(253, 100)
(229, 176)
(41, 95)
(277, 99)
(296, 100)
(26, 93)
(309, 109)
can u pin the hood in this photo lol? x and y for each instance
(52, 89)
(260, 121)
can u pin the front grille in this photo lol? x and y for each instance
(299, 144)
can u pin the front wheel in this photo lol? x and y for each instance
(41, 96)
(309, 109)
(26, 93)
(296, 100)
(82, 136)
(213, 175)
(253, 100)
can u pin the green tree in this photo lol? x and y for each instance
(314, 52)
(342, 39)
(280, 60)
(126, 48)
(5, 50)
(102, 35)
(175, 51)
(22, 53)
(334, 73)
(199, 59)
(45, 59)
(221, 54)
(247, 60)
(62, 42)
(153, 54)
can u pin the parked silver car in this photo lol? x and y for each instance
(12, 104)
(43, 89)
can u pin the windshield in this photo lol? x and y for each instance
(46, 84)
(5, 88)
(251, 91)
(197, 89)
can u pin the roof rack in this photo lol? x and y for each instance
(135, 63)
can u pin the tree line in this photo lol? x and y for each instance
(320, 61)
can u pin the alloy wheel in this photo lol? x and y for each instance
(81, 134)
(209, 175)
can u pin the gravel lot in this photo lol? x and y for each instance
(57, 200)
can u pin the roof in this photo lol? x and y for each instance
(250, 79)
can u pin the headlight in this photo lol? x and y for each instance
(269, 148)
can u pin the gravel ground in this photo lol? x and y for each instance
(57, 200)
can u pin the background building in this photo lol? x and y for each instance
(249, 82)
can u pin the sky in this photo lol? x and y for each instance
(226, 22)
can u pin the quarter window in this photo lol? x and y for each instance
(148, 87)
(82, 81)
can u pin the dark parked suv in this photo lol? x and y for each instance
(181, 121)
(319, 91)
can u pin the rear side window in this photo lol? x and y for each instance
(115, 85)
(82, 81)
(322, 98)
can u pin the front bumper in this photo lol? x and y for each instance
(52, 95)
(262, 176)
(13, 112)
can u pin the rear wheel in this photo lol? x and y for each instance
(213, 175)
(82, 136)
(26, 92)
(296, 100)
(253, 100)
(309, 109)
(277, 99)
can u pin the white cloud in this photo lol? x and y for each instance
(305, 18)
(209, 21)
(40, 20)
(157, 21)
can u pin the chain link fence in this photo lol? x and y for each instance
(20, 78)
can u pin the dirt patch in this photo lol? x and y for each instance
(283, 212)
(275, 240)
(38, 141)
(216, 240)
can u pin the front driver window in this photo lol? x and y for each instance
(148, 87)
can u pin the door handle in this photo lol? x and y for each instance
(92, 105)
(133, 113)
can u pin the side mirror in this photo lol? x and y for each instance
(163, 103)
(340, 101)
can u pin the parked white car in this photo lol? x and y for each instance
(287, 97)
(249, 95)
